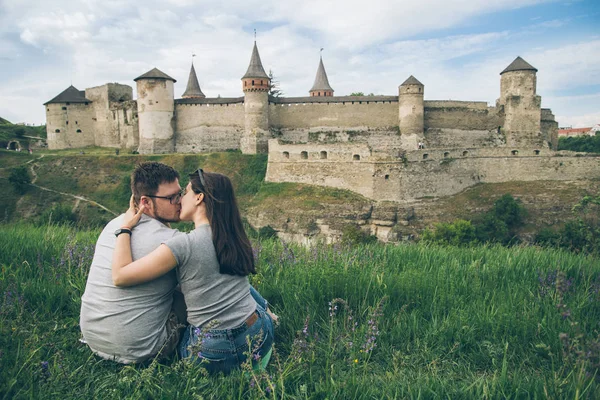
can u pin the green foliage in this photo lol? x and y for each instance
(59, 214)
(589, 144)
(582, 234)
(501, 223)
(19, 179)
(483, 322)
(357, 94)
(456, 233)
(352, 235)
(267, 232)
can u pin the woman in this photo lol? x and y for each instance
(228, 318)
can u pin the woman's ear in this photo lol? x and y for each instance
(199, 198)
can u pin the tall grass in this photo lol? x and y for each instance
(372, 321)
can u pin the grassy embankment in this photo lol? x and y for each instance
(404, 322)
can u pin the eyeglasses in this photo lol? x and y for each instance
(173, 199)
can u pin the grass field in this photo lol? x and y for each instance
(408, 321)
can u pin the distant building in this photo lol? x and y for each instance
(568, 132)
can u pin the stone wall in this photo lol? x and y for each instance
(123, 124)
(69, 125)
(462, 115)
(423, 173)
(340, 115)
(156, 109)
(208, 127)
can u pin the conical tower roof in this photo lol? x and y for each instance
(155, 73)
(193, 87)
(411, 81)
(70, 95)
(255, 69)
(321, 81)
(519, 65)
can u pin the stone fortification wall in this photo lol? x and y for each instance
(69, 125)
(106, 99)
(422, 173)
(123, 124)
(338, 166)
(344, 115)
(207, 126)
(156, 111)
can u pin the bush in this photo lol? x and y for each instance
(589, 144)
(20, 180)
(267, 232)
(456, 233)
(500, 224)
(353, 235)
(59, 214)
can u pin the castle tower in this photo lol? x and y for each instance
(411, 112)
(69, 120)
(321, 86)
(192, 91)
(156, 105)
(522, 106)
(255, 84)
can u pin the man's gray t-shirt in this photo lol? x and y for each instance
(127, 324)
(209, 295)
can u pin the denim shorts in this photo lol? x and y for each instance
(222, 350)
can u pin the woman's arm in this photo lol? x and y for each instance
(126, 272)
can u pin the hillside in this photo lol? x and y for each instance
(21, 133)
(4, 122)
(299, 212)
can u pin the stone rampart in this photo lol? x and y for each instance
(461, 115)
(123, 125)
(344, 115)
(423, 173)
(207, 127)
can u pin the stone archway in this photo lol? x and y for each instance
(14, 145)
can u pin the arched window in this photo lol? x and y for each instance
(514, 152)
(356, 157)
(286, 154)
(387, 177)
(78, 130)
(304, 155)
(425, 156)
(446, 154)
(323, 155)
(536, 152)
(465, 153)
(252, 82)
(57, 131)
(64, 108)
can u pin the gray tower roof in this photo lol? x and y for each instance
(70, 95)
(155, 73)
(411, 81)
(255, 69)
(519, 65)
(193, 87)
(321, 81)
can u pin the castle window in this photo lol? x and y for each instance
(286, 154)
(319, 94)
(304, 155)
(387, 177)
(323, 155)
(446, 154)
(536, 152)
(356, 157)
(76, 123)
(67, 122)
(57, 131)
(252, 82)
(514, 152)
(261, 81)
(245, 83)
(47, 109)
(425, 156)
(419, 90)
(465, 153)
(64, 108)
(78, 130)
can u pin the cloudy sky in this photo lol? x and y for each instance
(456, 48)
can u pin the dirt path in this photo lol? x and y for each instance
(77, 198)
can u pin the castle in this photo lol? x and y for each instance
(396, 148)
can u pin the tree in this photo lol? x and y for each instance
(357, 94)
(20, 180)
(19, 132)
(274, 89)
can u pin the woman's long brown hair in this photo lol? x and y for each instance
(234, 250)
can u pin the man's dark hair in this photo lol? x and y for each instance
(147, 176)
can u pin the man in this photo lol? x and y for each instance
(133, 324)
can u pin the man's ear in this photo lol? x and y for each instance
(148, 203)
